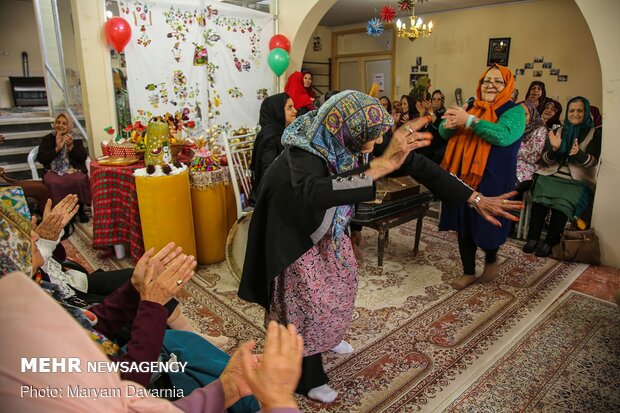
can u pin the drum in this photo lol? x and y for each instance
(236, 244)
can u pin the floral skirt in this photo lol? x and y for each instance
(317, 294)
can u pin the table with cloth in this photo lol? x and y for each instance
(116, 216)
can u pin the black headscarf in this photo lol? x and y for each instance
(268, 145)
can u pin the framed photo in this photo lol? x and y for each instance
(499, 49)
(418, 60)
(554, 71)
(547, 65)
(414, 69)
(519, 72)
(539, 59)
(423, 68)
(413, 79)
(562, 78)
(529, 66)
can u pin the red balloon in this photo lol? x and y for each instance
(117, 33)
(279, 41)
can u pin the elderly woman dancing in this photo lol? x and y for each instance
(299, 263)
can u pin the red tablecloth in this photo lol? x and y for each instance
(116, 217)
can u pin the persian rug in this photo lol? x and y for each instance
(568, 361)
(418, 343)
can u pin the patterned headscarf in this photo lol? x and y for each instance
(542, 99)
(15, 248)
(571, 132)
(336, 133)
(60, 164)
(535, 120)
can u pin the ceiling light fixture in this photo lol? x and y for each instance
(416, 27)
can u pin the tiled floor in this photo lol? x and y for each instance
(600, 282)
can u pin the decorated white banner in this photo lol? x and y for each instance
(197, 56)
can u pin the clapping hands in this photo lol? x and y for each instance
(55, 219)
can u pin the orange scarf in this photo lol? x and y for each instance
(466, 154)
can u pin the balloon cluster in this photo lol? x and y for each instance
(278, 57)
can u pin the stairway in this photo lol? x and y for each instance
(22, 132)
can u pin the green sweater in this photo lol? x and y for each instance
(506, 131)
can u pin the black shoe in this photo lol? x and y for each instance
(543, 250)
(83, 218)
(530, 246)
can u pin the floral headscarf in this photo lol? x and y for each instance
(15, 248)
(336, 133)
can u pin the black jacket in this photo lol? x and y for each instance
(295, 205)
(47, 153)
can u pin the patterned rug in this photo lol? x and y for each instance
(417, 342)
(569, 361)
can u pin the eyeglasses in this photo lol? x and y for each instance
(495, 82)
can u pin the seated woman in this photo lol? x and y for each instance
(435, 109)
(537, 94)
(532, 146)
(276, 113)
(566, 184)
(64, 162)
(551, 113)
(302, 100)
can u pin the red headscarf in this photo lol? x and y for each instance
(296, 90)
(467, 153)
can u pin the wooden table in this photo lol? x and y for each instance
(389, 214)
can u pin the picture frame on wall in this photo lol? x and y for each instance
(499, 50)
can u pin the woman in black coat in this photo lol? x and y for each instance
(299, 264)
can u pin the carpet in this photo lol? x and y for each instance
(417, 342)
(568, 361)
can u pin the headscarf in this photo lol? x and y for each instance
(466, 153)
(536, 121)
(15, 247)
(571, 132)
(296, 90)
(336, 133)
(542, 99)
(555, 120)
(272, 121)
(38, 327)
(60, 164)
(308, 89)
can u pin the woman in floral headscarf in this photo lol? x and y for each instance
(483, 141)
(64, 162)
(532, 146)
(299, 263)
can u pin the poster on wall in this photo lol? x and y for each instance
(379, 78)
(197, 56)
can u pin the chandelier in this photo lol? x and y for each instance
(416, 27)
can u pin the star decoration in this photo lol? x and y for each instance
(387, 14)
(405, 4)
(374, 27)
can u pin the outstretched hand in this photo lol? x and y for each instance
(498, 206)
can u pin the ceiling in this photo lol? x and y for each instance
(358, 11)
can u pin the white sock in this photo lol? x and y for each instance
(343, 348)
(323, 394)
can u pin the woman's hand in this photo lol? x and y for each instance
(60, 142)
(160, 289)
(68, 141)
(496, 206)
(404, 140)
(575, 148)
(275, 378)
(455, 117)
(160, 260)
(555, 140)
(67, 208)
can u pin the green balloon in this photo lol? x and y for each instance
(278, 60)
